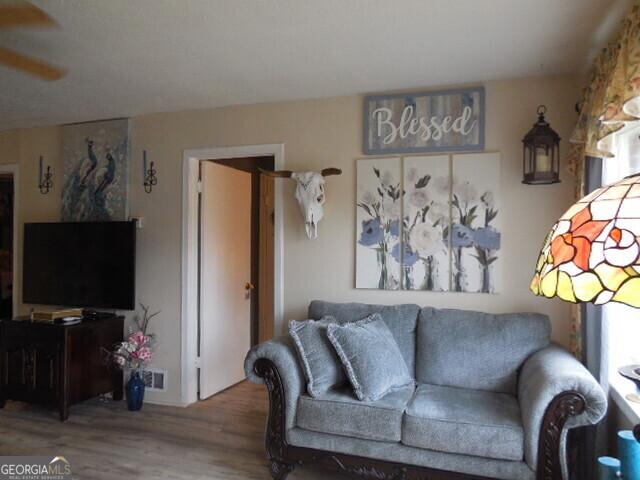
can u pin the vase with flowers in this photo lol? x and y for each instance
(133, 355)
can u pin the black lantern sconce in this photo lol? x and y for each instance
(541, 155)
(45, 178)
(148, 174)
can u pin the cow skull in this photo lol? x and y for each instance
(309, 194)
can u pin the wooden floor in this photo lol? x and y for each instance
(219, 438)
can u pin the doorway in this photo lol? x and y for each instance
(236, 265)
(190, 361)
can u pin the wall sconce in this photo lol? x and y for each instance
(541, 155)
(148, 174)
(45, 179)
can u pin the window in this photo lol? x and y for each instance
(621, 323)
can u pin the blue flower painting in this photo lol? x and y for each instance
(426, 223)
(475, 232)
(438, 229)
(378, 222)
(461, 235)
(371, 233)
(96, 168)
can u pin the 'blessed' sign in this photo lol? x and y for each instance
(451, 120)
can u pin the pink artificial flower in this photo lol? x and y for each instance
(119, 360)
(137, 338)
(144, 354)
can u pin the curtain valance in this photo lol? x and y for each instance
(612, 97)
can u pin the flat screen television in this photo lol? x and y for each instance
(88, 264)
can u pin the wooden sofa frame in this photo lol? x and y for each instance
(283, 458)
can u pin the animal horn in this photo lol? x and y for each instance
(276, 173)
(330, 171)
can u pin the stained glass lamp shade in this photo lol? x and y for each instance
(592, 254)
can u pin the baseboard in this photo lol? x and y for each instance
(166, 403)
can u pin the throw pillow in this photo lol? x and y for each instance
(320, 364)
(370, 356)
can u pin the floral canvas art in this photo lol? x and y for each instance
(425, 225)
(475, 223)
(96, 169)
(378, 218)
(429, 223)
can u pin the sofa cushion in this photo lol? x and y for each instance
(319, 360)
(481, 351)
(470, 422)
(370, 357)
(401, 320)
(339, 412)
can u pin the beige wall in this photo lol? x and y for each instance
(316, 134)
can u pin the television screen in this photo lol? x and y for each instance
(74, 264)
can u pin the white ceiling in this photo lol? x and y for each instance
(130, 57)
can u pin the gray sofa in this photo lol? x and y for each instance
(493, 399)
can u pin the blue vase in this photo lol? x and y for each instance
(629, 453)
(135, 392)
(608, 468)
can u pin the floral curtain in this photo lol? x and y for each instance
(612, 96)
(611, 99)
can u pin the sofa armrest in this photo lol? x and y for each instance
(556, 392)
(276, 363)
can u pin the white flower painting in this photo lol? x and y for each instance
(429, 223)
(475, 234)
(425, 226)
(379, 210)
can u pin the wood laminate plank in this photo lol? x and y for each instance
(219, 438)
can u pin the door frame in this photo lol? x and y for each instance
(190, 282)
(14, 169)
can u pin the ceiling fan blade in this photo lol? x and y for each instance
(23, 14)
(30, 65)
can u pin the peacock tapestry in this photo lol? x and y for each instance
(96, 170)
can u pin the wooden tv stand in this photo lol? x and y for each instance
(58, 364)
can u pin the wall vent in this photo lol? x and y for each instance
(155, 379)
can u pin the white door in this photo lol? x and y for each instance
(225, 272)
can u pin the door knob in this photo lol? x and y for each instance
(249, 286)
